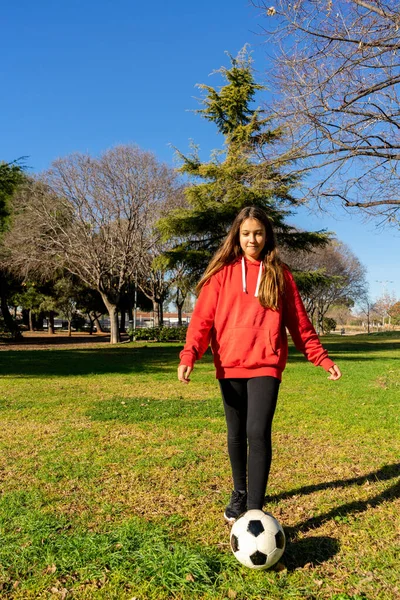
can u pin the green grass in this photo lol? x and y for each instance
(114, 477)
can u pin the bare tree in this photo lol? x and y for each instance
(156, 278)
(336, 73)
(383, 305)
(366, 308)
(184, 285)
(155, 275)
(341, 314)
(335, 276)
(91, 216)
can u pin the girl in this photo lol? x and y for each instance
(247, 299)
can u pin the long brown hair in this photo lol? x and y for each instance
(272, 281)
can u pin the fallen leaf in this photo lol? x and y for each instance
(50, 569)
(232, 594)
(189, 577)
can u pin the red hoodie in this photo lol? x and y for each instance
(248, 340)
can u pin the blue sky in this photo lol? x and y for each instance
(85, 76)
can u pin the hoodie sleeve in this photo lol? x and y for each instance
(200, 326)
(300, 327)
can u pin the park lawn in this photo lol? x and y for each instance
(114, 477)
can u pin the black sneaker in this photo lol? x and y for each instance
(236, 507)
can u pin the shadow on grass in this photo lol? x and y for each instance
(319, 549)
(309, 551)
(362, 344)
(152, 358)
(93, 361)
(341, 513)
(58, 339)
(383, 474)
(356, 348)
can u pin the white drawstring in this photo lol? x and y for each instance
(244, 277)
(259, 279)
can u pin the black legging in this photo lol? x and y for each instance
(249, 409)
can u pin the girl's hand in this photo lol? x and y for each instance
(335, 373)
(184, 372)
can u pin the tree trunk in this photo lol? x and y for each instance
(35, 321)
(91, 323)
(179, 307)
(30, 320)
(69, 328)
(320, 329)
(94, 320)
(51, 329)
(161, 313)
(156, 319)
(25, 317)
(113, 314)
(130, 310)
(114, 336)
(179, 304)
(98, 324)
(311, 314)
(8, 320)
(39, 318)
(122, 322)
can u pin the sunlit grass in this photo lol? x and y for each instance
(114, 477)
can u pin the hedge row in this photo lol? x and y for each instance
(159, 334)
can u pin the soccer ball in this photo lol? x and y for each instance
(257, 539)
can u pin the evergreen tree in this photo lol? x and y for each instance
(29, 299)
(65, 300)
(11, 175)
(235, 177)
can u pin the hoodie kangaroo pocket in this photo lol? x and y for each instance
(249, 348)
(274, 341)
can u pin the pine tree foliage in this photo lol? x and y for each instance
(235, 177)
(11, 175)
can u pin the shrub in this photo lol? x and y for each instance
(159, 334)
(7, 335)
(78, 322)
(329, 324)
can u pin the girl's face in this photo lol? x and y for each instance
(252, 238)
